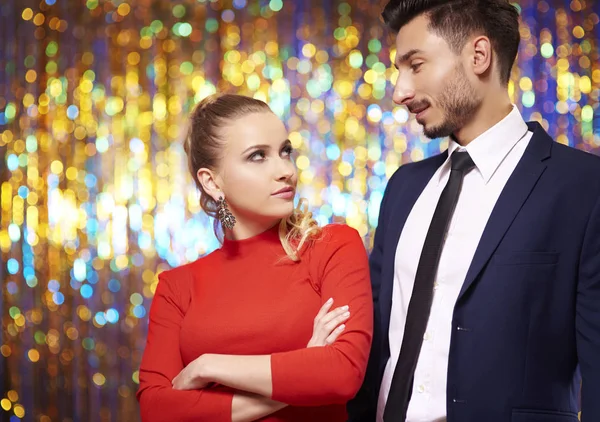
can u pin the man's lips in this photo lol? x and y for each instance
(419, 111)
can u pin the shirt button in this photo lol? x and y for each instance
(426, 336)
(436, 285)
(421, 388)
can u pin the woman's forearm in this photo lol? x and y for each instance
(246, 373)
(248, 407)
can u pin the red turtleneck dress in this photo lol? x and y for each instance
(248, 298)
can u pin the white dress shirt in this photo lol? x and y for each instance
(495, 154)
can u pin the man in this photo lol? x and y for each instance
(486, 262)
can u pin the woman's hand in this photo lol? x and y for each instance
(327, 328)
(191, 377)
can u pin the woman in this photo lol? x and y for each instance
(233, 336)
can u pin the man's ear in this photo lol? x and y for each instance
(481, 55)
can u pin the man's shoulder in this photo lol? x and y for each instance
(573, 160)
(577, 160)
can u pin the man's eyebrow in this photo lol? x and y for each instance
(408, 55)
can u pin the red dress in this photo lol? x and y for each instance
(248, 298)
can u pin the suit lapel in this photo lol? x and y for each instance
(511, 200)
(402, 201)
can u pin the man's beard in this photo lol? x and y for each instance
(459, 102)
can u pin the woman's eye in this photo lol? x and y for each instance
(257, 156)
(415, 66)
(288, 150)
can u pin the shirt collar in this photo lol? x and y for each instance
(490, 148)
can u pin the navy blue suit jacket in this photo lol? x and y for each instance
(529, 308)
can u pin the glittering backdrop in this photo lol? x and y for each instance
(95, 195)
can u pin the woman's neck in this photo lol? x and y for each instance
(247, 229)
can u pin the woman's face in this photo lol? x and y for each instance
(256, 172)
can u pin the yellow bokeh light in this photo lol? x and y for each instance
(123, 9)
(562, 65)
(71, 173)
(345, 169)
(417, 155)
(237, 79)
(233, 56)
(296, 139)
(145, 42)
(86, 86)
(39, 19)
(309, 50)
(302, 162)
(133, 58)
(19, 411)
(33, 355)
(370, 76)
(84, 313)
(20, 320)
(585, 84)
(31, 76)
(352, 125)
(56, 167)
(5, 349)
(525, 84)
(6, 404)
(272, 48)
(99, 379)
(307, 176)
(562, 139)
(27, 14)
(13, 396)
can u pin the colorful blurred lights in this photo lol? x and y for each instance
(86, 291)
(587, 113)
(12, 266)
(58, 298)
(276, 5)
(112, 316)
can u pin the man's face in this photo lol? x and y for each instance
(432, 81)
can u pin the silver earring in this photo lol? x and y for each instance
(225, 216)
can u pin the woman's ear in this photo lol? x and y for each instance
(210, 184)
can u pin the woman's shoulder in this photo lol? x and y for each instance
(334, 236)
(337, 244)
(337, 231)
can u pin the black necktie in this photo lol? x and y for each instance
(422, 295)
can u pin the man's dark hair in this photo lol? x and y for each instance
(457, 20)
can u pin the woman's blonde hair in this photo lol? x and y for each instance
(204, 147)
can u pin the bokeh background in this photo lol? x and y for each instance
(95, 195)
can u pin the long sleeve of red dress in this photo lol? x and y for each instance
(333, 374)
(162, 362)
(247, 298)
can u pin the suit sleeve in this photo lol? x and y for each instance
(332, 374)
(588, 319)
(363, 408)
(161, 362)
